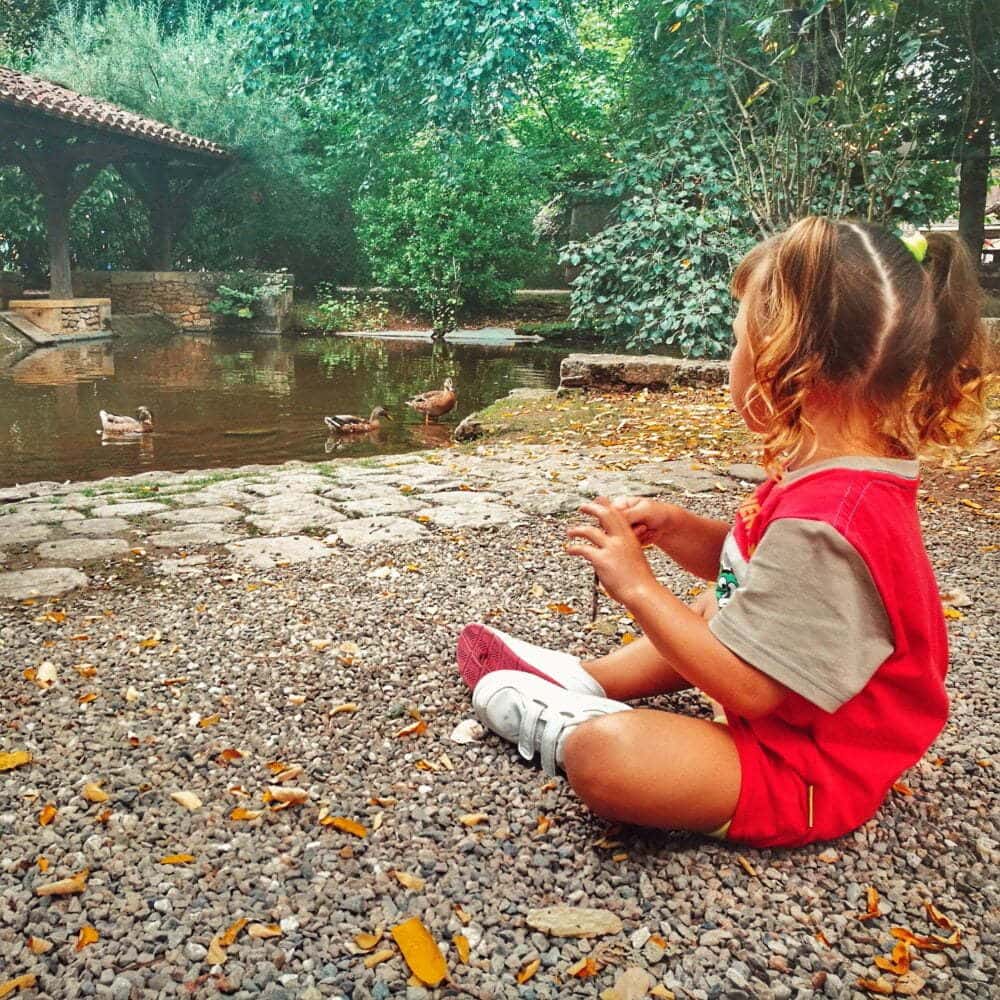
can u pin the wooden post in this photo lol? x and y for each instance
(57, 209)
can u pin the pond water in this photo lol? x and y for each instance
(235, 399)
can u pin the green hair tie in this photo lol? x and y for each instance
(915, 242)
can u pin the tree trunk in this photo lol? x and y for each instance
(974, 181)
(57, 226)
(161, 248)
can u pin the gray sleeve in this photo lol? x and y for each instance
(808, 614)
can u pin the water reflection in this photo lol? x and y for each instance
(233, 399)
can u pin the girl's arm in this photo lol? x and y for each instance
(681, 635)
(693, 542)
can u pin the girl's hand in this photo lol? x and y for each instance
(651, 520)
(614, 551)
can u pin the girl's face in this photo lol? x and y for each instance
(741, 377)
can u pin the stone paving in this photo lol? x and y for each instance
(53, 536)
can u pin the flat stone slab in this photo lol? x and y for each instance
(266, 553)
(292, 503)
(54, 582)
(192, 536)
(547, 504)
(24, 534)
(98, 527)
(81, 550)
(200, 515)
(129, 508)
(213, 496)
(191, 566)
(584, 371)
(378, 531)
(41, 513)
(481, 515)
(381, 506)
(295, 523)
(460, 497)
(361, 491)
(302, 482)
(747, 472)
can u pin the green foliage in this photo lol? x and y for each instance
(235, 302)
(335, 311)
(451, 226)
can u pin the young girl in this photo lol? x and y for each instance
(825, 641)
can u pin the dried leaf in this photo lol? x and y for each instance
(57, 617)
(47, 815)
(463, 917)
(528, 970)
(39, 946)
(149, 643)
(379, 957)
(14, 758)
(420, 951)
(938, 917)
(902, 788)
(367, 942)
(473, 819)
(296, 699)
(103, 816)
(46, 676)
(25, 982)
(276, 766)
(347, 825)
(746, 866)
(882, 986)
(239, 813)
(216, 954)
(583, 969)
(467, 731)
(188, 800)
(86, 699)
(408, 881)
(88, 935)
(285, 795)
(65, 886)
(87, 670)
(259, 931)
(873, 911)
(177, 859)
(898, 963)
(934, 942)
(232, 932)
(461, 943)
(414, 729)
(229, 756)
(345, 709)
(43, 865)
(93, 792)
(289, 774)
(561, 609)
(209, 720)
(662, 993)
(544, 824)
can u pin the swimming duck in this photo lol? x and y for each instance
(435, 403)
(141, 423)
(346, 423)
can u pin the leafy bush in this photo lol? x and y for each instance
(234, 302)
(451, 227)
(334, 311)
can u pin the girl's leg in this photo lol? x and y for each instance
(655, 769)
(635, 671)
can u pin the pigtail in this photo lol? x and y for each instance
(949, 398)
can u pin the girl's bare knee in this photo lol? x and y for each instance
(588, 757)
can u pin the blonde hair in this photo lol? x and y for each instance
(846, 305)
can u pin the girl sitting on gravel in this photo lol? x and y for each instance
(824, 641)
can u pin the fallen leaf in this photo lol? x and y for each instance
(549, 786)
(86, 699)
(232, 932)
(239, 814)
(39, 946)
(408, 881)
(318, 645)
(953, 613)
(620, 856)
(285, 795)
(25, 982)
(43, 865)
(296, 699)
(229, 755)
(260, 931)
(746, 866)
(933, 942)
(829, 857)
(103, 816)
(65, 886)
(57, 617)
(574, 921)
(86, 670)
(882, 986)
(871, 894)
(909, 984)
(149, 643)
(544, 824)
(289, 774)
(208, 720)
(902, 788)
(463, 917)
(367, 942)
(216, 954)
(583, 969)
(461, 943)
(47, 815)
(937, 916)
(528, 970)
(662, 993)
(379, 957)
(345, 709)
(347, 825)
(822, 938)
(420, 951)
(88, 935)
(473, 819)
(561, 609)
(46, 676)
(276, 766)
(177, 859)
(93, 792)
(14, 758)
(188, 800)
(414, 729)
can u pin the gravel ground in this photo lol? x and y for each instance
(272, 653)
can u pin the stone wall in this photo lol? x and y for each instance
(602, 371)
(183, 297)
(66, 316)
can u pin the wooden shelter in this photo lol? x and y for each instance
(63, 140)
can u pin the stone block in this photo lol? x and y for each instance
(603, 371)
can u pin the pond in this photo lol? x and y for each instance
(231, 400)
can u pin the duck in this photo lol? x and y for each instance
(141, 423)
(347, 423)
(435, 403)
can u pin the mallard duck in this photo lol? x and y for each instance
(435, 403)
(346, 423)
(141, 423)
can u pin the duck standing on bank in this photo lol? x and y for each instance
(347, 423)
(141, 423)
(435, 403)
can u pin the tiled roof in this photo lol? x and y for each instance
(19, 90)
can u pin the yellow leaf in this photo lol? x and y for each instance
(25, 982)
(216, 954)
(65, 886)
(86, 699)
(39, 946)
(209, 720)
(461, 943)
(408, 881)
(58, 617)
(289, 774)
(233, 932)
(88, 935)
(87, 670)
(561, 609)
(473, 819)
(544, 823)
(228, 756)
(366, 942)
(47, 815)
(239, 813)
(420, 951)
(378, 958)
(258, 931)
(346, 708)
(953, 613)
(93, 792)
(151, 643)
(188, 800)
(14, 758)
(177, 859)
(414, 729)
(285, 795)
(528, 971)
(43, 865)
(463, 917)
(343, 823)
(583, 969)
